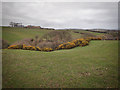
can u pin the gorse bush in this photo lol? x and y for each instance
(45, 47)
(28, 47)
(15, 47)
(74, 43)
(24, 47)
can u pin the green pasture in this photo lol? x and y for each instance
(14, 34)
(92, 66)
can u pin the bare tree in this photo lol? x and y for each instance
(12, 24)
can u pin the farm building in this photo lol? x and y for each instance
(30, 26)
(13, 24)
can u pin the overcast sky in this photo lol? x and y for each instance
(62, 14)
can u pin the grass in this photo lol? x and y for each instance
(78, 35)
(75, 35)
(83, 31)
(14, 34)
(93, 66)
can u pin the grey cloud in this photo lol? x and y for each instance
(62, 14)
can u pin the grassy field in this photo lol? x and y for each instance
(14, 34)
(93, 66)
(83, 31)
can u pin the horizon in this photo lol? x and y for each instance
(68, 28)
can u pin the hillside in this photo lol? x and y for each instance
(92, 66)
(15, 34)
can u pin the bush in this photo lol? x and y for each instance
(47, 49)
(26, 41)
(3, 44)
(29, 47)
(39, 49)
(15, 47)
(61, 36)
(24, 47)
(46, 44)
(74, 43)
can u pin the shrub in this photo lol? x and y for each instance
(47, 44)
(3, 44)
(47, 49)
(29, 47)
(39, 49)
(74, 43)
(26, 41)
(62, 36)
(15, 47)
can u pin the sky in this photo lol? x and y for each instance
(60, 15)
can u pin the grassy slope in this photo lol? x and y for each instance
(75, 35)
(94, 33)
(78, 35)
(91, 66)
(15, 34)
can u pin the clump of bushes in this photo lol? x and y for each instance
(15, 47)
(54, 40)
(48, 44)
(60, 36)
(48, 48)
(28, 47)
(74, 43)
(27, 42)
(24, 47)
(78, 42)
